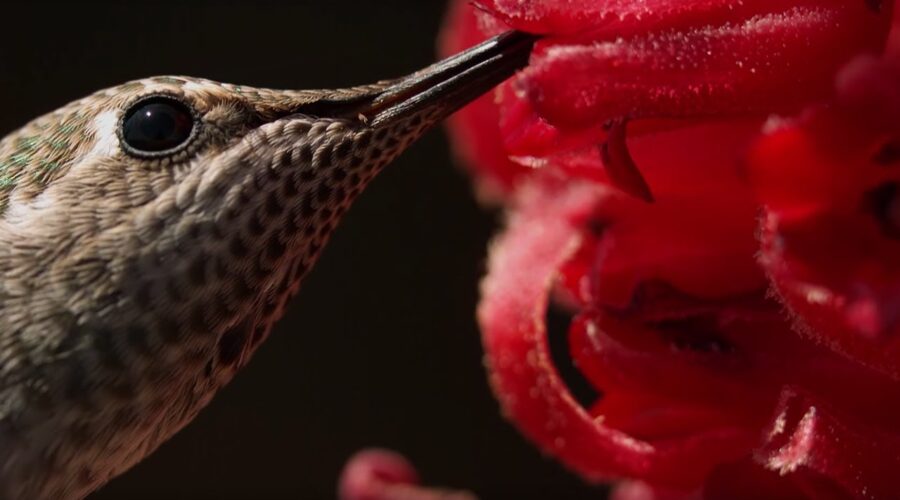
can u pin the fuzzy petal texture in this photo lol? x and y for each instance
(674, 174)
(830, 182)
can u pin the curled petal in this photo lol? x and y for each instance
(765, 63)
(695, 363)
(826, 453)
(757, 60)
(697, 237)
(673, 328)
(618, 17)
(828, 182)
(619, 164)
(523, 266)
(384, 475)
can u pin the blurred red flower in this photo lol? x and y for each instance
(743, 329)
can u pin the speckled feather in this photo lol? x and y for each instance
(131, 290)
(134, 286)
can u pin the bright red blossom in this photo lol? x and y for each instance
(707, 387)
(846, 156)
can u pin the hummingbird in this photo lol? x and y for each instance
(153, 232)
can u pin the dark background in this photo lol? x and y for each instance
(380, 347)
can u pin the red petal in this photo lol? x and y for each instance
(675, 411)
(558, 17)
(828, 241)
(384, 475)
(619, 164)
(698, 235)
(827, 454)
(749, 62)
(523, 266)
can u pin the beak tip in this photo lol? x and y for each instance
(450, 84)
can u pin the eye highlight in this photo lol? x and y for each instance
(157, 126)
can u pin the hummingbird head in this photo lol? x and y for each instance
(154, 231)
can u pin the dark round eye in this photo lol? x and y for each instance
(157, 126)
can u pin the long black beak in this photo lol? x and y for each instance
(452, 83)
(441, 88)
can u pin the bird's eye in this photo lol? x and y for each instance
(157, 126)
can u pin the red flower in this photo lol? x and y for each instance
(719, 111)
(847, 156)
(377, 474)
